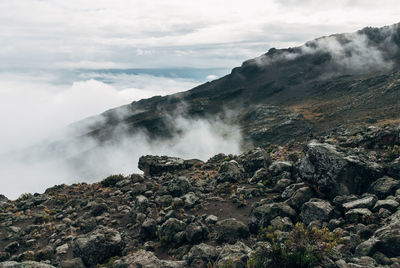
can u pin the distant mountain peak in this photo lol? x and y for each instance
(367, 50)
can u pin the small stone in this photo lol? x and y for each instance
(356, 215)
(211, 219)
(63, 249)
(388, 204)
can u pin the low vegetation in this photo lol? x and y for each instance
(301, 247)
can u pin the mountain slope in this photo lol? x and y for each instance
(340, 79)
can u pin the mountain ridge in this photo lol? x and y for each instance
(292, 80)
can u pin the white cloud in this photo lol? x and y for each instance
(89, 162)
(138, 33)
(32, 107)
(211, 77)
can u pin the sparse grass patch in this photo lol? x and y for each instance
(111, 180)
(392, 152)
(302, 247)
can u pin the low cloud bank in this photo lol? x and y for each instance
(89, 161)
(33, 108)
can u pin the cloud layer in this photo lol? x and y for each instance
(88, 161)
(366, 50)
(32, 107)
(138, 33)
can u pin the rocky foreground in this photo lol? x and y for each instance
(330, 202)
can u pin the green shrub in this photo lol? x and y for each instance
(42, 218)
(392, 152)
(24, 197)
(270, 148)
(111, 180)
(302, 247)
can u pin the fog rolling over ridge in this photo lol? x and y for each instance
(88, 160)
(37, 107)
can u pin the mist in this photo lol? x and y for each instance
(35, 112)
(358, 52)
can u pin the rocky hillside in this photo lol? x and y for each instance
(285, 94)
(329, 202)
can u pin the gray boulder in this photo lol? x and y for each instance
(388, 237)
(316, 210)
(278, 167)
(25, 264)
(254, 160)
(72, 263)
(335, 173)
(261, 175)
(170, 228)
(235, 255)
(365, 202)
(97, 246)
(196, 232)
(190, 199)
(388, 204)
(230, 172)
(262, 215)
(148, 229)
(384, 186)
(366, 248)
(157, 165)
(200, 255)
(359, 215)
(284, 224)
(299, 197)
(141, 258)
(230, 230)
(178, 186)
(393, 168)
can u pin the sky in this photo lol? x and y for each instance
(62, 61)
(157, 33)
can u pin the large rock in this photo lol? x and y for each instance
(202, 254)
(393, 168)
(299, 197)
(178, 186)
(157, 165)
(366, 248)
(365, 202)
(254, 160)
(230, 230)
(359, 215)
(25, 264)
(235, 255)
(72, 263)
(334, 173)
(316, 209)
(170, 228)
(230, 171)
(389, 204)
(388, 237)
(148, 229)
(3, 198)
(141, 258)
(98, 246)
(384, 186)
(262, 215)
(196, 232)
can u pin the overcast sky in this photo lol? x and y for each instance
(160, 33)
